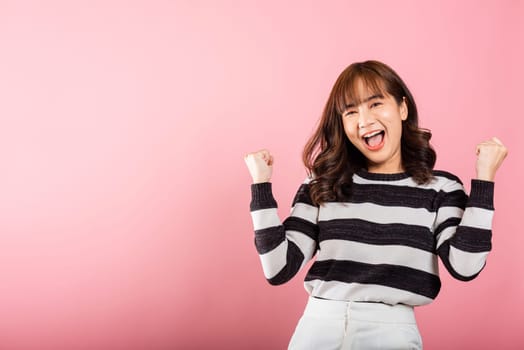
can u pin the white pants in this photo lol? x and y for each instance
(332, 324)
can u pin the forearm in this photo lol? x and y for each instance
(464, 247)
(283, 247)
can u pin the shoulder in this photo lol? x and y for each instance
(446, 175)
(447, 181)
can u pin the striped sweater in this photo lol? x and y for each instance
(383, 244)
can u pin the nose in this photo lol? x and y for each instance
(365, 118)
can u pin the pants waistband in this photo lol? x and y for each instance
(358, 310)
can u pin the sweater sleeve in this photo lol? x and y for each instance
(463, 227)
(284, 247)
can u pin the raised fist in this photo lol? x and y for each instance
(260, 165)
(490, 155)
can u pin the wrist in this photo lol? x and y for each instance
(481, 194)
(485, 176)
(261, 180)
(262, 196)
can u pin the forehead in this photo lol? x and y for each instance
(357, 90)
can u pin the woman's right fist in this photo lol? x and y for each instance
(260, 165)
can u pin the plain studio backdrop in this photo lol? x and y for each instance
(124, 206)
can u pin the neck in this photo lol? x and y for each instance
(388, 168)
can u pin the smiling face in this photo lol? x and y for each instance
(373, 124)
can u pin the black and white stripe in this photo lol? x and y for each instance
(394, 276)
(284, 247)
(382, 244)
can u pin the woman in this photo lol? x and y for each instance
(376, 215)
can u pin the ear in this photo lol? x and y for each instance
(403, 109)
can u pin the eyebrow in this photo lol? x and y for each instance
(351, 105)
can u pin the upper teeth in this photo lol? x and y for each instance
(373, 134)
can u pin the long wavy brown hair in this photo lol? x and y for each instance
(331, 159)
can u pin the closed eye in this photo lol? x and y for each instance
(349, 113)
(376, 104)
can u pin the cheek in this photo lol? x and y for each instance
(393, 123)
(351, 131)
(396, 126)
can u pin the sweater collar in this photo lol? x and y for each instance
(382, 176)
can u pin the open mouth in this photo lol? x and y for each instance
(374, 140)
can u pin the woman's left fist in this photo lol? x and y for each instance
(490, 155)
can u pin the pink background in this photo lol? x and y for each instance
(124, 207)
